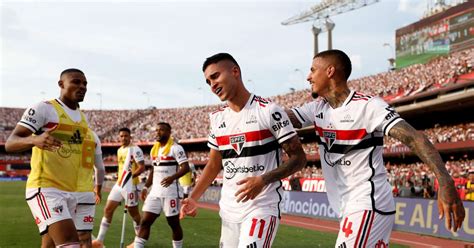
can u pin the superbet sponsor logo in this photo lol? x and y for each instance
(88, 219)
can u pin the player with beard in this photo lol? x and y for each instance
(169, 164)
(351, 126)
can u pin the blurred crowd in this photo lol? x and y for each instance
(193, 122)
(417, 180)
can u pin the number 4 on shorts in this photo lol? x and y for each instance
(347, 228)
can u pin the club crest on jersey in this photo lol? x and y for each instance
(237, 142)
(330, 137)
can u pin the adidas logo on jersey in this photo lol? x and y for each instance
(76, 138)
(320, 115)
(222, 125)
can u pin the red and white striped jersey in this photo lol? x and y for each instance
(165, 165)
(350, 146)
(128, 158)
(249, 142)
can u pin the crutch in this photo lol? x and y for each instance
(125, 210)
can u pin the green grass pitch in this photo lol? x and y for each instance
(17, 227)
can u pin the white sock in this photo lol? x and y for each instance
(177, 243)
(139, 242)
(136, 226)
(104, 226)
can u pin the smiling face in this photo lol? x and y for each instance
(124, 138)
(223, 77)
(73, 86)
(319, 77)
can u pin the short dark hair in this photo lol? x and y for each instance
(343, 61)
(165, 124)
(217, 58)
(125, 129)
(71, 70)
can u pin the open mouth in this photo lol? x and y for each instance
(218, 90)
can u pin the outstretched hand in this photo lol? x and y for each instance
(249, 189)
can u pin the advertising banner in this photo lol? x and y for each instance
(415, 215)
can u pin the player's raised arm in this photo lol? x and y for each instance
(296, 161)
(449, 203)
(212, 168)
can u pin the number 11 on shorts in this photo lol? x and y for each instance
(254, 225)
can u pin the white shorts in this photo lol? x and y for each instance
(365, 229)
(85, 211)
(118, 194)
(50, 205)
(169, 206)
(252, 232)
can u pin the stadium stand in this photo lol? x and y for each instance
(190, 125)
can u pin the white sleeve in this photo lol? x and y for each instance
(305, 113)
(98, 161)
(138, 154)
(211, 140)
(380, 116)
(279, 123)
(35, 118)
(179, 154)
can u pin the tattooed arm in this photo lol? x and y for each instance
(449, 203)
(252, 186)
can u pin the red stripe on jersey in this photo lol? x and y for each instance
(363, 95)
(360, 228)
(50, 125)
(358, 99)
(164, 158)
(368, 231)
(122, 177)
(249, 136)
(343, 134)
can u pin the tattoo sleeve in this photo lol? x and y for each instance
(296, 161)
(423, 148)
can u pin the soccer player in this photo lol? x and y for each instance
(131, 164)
(245, 139)
(351, 126)
(169, 164)
(58, 133)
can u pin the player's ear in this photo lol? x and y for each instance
(330, 71)
(61, 84)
